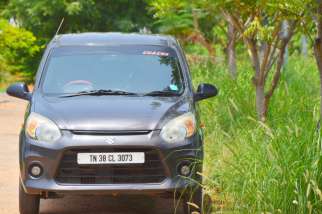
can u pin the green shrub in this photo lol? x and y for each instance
(264, 168)
(19, 51)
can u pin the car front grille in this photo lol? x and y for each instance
(69, 172)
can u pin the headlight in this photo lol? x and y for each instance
(179, 128)
(40, 128)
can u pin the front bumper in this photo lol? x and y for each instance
(46, 187)
(49, 157)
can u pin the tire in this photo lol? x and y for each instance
(28, 204)
(195, 202)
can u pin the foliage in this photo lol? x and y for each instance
(267, 27)
(187, 20)
(180, 17)
(42, 17)
(173, 17)
(263, 168)
(18, 50)
(3, 4)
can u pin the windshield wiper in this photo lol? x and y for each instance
(99, 92)
(162, 93)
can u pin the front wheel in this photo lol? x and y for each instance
(195, 202)
(28, 204)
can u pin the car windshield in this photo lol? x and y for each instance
(134, 69)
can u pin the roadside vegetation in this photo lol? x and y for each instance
(256, 167)
(19, 54)
(263, 146)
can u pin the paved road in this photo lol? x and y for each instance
(11, 116)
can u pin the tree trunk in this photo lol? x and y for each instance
(258, 80)
(263, 62)
(260, 102)
(231, 50)
(318, 49)
(318, 58)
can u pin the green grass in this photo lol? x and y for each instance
(252, 167)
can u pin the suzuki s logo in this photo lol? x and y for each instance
(110, 140)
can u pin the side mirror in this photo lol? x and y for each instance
(19, 90)
(205, 91)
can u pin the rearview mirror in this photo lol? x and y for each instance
(19, 90)
(205, 91)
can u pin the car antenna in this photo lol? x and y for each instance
(59, 27)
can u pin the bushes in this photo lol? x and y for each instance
(264, 168)
(19, 52)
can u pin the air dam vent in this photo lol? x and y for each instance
(69, 172)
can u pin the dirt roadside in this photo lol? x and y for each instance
(11, 116)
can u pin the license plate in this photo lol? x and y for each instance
(111, 158)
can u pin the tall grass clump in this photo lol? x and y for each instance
(271, 167)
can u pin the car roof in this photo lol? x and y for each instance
(102, 39)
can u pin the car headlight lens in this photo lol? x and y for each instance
(41, 128)
(179, 128)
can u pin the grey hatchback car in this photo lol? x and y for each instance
(111, 113)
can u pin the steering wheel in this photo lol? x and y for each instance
(77, 85)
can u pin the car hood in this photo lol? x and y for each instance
(110, 112)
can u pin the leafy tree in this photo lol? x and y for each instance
(19, 50)
(226, 34)
(3, 4)
(261, 23)
(185, 19)
(42, 17)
